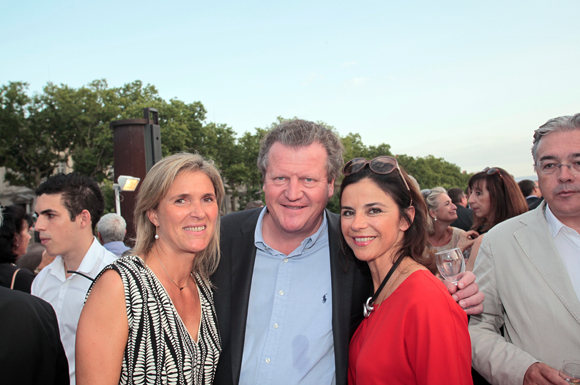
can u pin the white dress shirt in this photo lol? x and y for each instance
(67, 295)
(567, 241)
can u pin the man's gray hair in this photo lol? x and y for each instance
(112, 228)
(561, 123)
(301, 133)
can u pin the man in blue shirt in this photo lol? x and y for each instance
(111, 231)
(287, 299)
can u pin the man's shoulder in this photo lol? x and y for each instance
(101, 257)
(15, 299)
(233, 221)
(530, 219)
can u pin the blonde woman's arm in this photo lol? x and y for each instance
(102, 333)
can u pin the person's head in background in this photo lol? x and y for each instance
(14, 234)
(529, 188)
(495, 197)
(457, 196)
(111, 228)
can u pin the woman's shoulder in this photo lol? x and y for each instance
(457, 231)
(125, 268)
(427, 291)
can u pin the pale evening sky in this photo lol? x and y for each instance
(468, 81)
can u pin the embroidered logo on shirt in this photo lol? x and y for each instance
(324, 298)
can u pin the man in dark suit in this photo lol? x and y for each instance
(531, 192)
(31, 351)
(286, 298)
(464, 219)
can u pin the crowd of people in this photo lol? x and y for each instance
(292, 293)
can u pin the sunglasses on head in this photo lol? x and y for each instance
(381, 165)
(493, 170)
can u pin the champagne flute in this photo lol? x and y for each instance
(451, 264)
(570, 371)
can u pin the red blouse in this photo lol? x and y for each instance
(417, 336)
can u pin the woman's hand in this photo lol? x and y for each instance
(466, 239)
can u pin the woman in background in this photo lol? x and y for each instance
(413, 333)
(442, 212)
(14, 238)
(150, 317)
(494, 197)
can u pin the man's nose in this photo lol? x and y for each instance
(294, 189)
(565, 173)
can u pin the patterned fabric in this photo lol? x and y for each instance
(159, 349)
(452, 243)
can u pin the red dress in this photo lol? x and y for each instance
(417, 336)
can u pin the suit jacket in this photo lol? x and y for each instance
(30, 351)
(528, 291)
(464, 219)
(533, 202)
(351, 286)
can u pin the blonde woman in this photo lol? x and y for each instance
(442, 212)
(149, 318)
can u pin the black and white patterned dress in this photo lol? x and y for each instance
(159, 349)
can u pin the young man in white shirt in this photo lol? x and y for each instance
(68, 209)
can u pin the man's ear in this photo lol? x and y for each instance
(331, 189)
(85, 218)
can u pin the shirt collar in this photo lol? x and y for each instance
(554, 224)
(56, 268)
(88, 263)
(307, 243)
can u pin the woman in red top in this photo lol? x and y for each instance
(413, 333)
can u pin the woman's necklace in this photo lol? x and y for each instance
(180, 288)
(368, 306)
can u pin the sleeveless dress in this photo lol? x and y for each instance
(159, 349)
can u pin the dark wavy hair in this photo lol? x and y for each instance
(14, 222)
(505, 198)
(415, 239)
(79, 193)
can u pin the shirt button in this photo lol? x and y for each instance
(285, 259)
(267, 360)
(275, 326)
(281, 292)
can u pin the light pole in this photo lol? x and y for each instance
(124, 183)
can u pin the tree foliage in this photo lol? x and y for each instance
(66, 124)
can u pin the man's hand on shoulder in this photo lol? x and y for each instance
(467, 293)
(542, 374)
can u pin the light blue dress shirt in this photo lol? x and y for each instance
(289, 325)
(116, 247)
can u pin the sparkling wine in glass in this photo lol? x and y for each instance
(451, 264)
(570, 371)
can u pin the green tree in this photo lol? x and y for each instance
(64, 123)
(30, 146)
(432, 172)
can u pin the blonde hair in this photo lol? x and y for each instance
(432, 200)
(156, 185)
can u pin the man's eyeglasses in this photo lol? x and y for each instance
(550, 166)
(380, 165)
